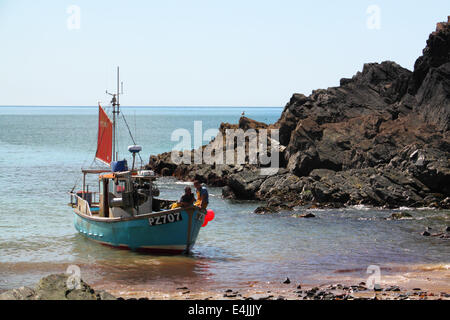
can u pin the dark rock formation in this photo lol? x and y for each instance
(381, 138)
(54, 287)
(400, 215)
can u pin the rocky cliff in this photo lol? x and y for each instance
(381, 138)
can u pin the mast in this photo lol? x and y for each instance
(115, 155)
(115, 103)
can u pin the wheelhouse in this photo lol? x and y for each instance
(120, 194)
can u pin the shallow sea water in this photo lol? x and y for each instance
(43, 148)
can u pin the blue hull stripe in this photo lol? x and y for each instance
(136, 234)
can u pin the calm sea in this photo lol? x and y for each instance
(42, 150)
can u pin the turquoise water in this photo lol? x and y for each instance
(43, 148)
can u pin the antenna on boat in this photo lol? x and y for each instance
(115, 103)
(133, 150)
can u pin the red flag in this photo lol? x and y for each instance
(104, 141)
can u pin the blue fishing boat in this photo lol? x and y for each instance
(125, 212)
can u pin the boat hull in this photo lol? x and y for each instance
(138, 235)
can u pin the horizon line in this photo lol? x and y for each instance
(174, 106)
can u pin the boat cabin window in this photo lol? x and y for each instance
(115, 188)
(120, 187)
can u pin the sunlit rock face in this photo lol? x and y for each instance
(380, 138)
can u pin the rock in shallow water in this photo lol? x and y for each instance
(307, 215)
(23, 293)
(54, 287)
(400, 215)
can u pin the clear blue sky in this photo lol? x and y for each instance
(200, 52)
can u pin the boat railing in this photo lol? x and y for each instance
(95, 197)
(81, 204)
(91, 197)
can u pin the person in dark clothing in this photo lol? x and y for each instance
(187, 199)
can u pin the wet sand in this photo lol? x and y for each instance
(412, 282)
(423, 282)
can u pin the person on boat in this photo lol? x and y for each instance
(187, 199)
(202, 195)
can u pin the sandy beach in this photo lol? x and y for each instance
(421, 282)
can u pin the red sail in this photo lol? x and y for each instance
(104, 141)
